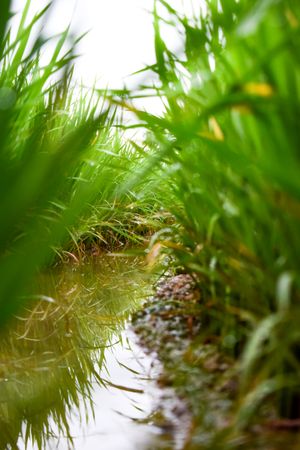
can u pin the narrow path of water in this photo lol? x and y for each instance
(114, 421)
(70, 376)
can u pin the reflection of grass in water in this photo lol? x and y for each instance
(57, 347)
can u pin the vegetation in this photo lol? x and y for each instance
(228, 143)
(60, 153)
(222, 164)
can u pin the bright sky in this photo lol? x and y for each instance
(120, 40)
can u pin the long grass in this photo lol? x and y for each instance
(62, 159)
(228, 143)
(226, 152)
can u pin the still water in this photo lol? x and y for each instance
(71, 375)
(112, 421)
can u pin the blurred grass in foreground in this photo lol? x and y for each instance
(227, 149)
(229, 145)
(60, 154)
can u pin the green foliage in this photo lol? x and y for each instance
(229, 145)
(223, 161)
(36, 157)
(59, 154)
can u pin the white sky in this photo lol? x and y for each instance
(120, 40)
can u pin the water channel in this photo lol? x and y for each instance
(71, 374)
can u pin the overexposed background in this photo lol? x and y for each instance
(120, 39)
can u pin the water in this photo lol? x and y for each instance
(116, 411)
(71, 377)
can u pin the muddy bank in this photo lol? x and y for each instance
(202, 377)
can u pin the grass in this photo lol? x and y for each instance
(228, 144)
(60, 154)
(217, 175)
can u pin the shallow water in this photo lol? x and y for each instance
(116, 411)
(71, 377)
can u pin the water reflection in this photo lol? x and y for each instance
(58, 350)
(116, 411)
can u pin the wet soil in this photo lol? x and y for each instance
(204, 378)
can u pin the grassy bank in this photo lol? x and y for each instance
(63, 161)
(217, 175)
(228, 144)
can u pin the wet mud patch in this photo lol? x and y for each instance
(203, 378)
(168, 327)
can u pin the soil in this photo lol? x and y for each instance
(204, 378)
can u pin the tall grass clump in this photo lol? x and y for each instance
(59, 154)
(228, 143)
(39, 152)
